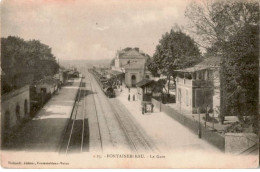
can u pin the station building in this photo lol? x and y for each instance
(131, 61)
(198, 87)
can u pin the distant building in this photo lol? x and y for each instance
(46, 86)
(131, 61)
(213, 63)
(73, 74)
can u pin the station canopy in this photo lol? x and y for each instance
(207, 63)
(144, 83)
(114, 73)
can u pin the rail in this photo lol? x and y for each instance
(96, 113)
(72, 111)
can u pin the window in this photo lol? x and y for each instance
(43, 90)
(199, 75)
(25, 107)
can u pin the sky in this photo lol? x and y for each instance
(92, 29)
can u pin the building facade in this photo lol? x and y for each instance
(47, 86)
(194, 90)
(198, 87)
(131, 61)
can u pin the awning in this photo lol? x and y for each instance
(144, 82)
(114, 73)
(208, 63)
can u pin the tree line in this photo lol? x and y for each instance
(24, 62)
(228, 30)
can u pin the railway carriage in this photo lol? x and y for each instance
(104, 83)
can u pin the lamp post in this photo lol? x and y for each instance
(213, 119)
(161, 103)
(199, 130)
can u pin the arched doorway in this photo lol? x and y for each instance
(17, 113)
(25, 107)
(133, 80)
(6, 120)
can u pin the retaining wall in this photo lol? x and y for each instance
(207, 134)
(237, 143)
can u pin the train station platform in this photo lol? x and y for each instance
(45, 131)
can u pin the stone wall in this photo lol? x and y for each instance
(237, 143)
(184, 97)
(15, 107)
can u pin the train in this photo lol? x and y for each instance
(104, 82)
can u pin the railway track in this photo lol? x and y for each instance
(75, 135)
(96, 115)
(136, 137)
(137, 140)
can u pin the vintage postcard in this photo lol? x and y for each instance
(130, 84)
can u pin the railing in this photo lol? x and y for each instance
(250, 150)
(184, 81)
(188, 81)
(195, 83)
(202, 83)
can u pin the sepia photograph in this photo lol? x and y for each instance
(130, 84)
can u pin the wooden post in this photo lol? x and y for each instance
(199, 129)
(180, 99)
(213, 119)
(205, 121)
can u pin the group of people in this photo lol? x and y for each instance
(130, 96)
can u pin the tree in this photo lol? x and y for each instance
(21, 59)
(212, 22)
(241, 75)
(151, 66)
(175, 50)
(112, 63)
(230, 29)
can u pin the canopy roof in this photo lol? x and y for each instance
(144, 82)
(73, 72)
(207, 63)
(114, 72)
